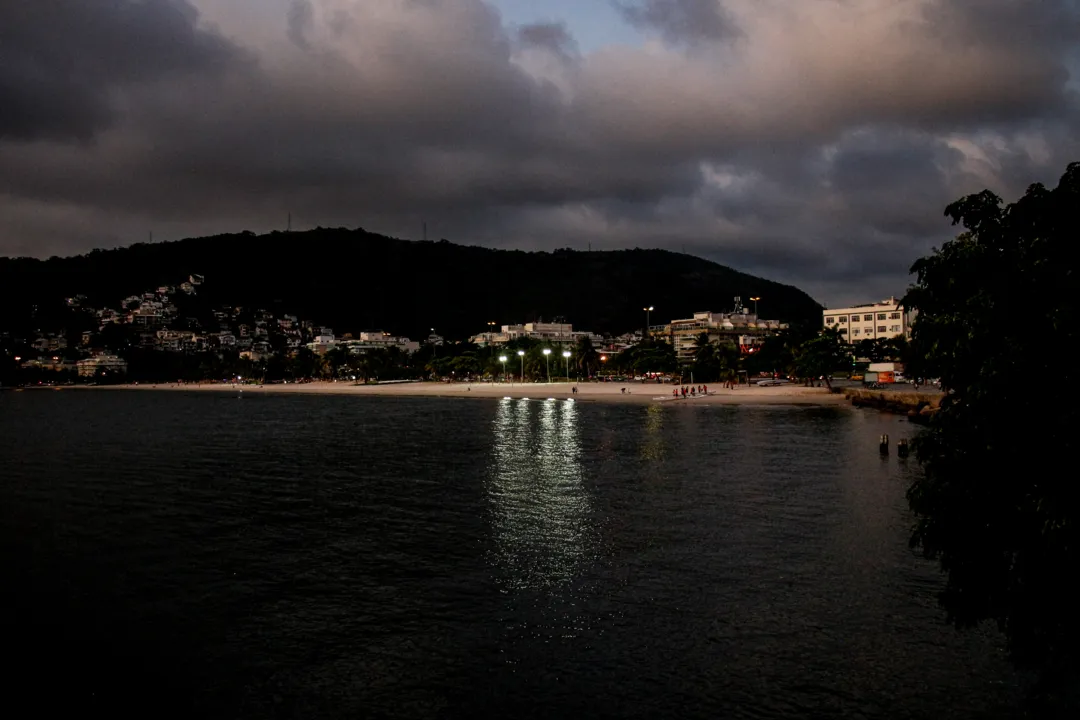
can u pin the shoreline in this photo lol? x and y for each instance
(636, 393)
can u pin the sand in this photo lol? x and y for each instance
(636, 392)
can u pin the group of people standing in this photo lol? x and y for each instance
(691, 391)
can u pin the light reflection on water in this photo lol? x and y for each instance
(654, 446)
(540, 510)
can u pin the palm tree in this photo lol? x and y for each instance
(585, 356)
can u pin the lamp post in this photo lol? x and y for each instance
(502, 359)
(603, 360)
(521, 354)
(434, 349)
(547, 361)
(566, 357)
(647, 311)
(754, 300)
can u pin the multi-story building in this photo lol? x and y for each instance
(885, 319)
(740, 328)
(551, 333)
(89, 367)
(377, 340)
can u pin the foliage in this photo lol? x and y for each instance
(891, 349)
(586, 359)
(821, 356)
(998, 502)
(778, 353)
(652, 355)
(714, 362)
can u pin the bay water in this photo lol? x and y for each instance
(206, 555)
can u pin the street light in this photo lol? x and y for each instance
(647, 311)
(502, 359)
(566, 357)
(754, 300)
(521, 354)
(547, 361)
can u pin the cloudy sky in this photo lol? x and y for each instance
(809, 141)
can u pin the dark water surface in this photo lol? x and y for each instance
(171, 554)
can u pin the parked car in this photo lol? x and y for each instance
(771, 382)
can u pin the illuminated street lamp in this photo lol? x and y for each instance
(647, 311)
(566, 357)
(502, 359)
(754, 300)
(521, 354)
(547, 361)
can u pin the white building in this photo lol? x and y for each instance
(322, 344)
(379, 340)
(885, 319)
(741, 328)
(89, 367)
(551, 333)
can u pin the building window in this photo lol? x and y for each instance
(855, 331)
(830, 320)
(881, 328)
(894, 316)
(843, 318)
(868, 318)
(881, 316)
(843, 331)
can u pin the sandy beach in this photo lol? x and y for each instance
(587, 392)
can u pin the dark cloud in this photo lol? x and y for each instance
(680, 21)
(300, 16)
(554, 37)
(819, 147)
(62, 62)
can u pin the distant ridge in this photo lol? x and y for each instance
(352, 280)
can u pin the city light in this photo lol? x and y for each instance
(521, 354)
(547, 361)
(566, 357)
(647, 311)
(502, 359)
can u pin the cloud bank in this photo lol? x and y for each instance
(814, 142)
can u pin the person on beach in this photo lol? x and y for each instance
(693, 391)
(675, 393)
(704, 389)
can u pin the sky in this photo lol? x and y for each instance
(814, 142)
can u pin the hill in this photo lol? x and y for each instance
(353, 280)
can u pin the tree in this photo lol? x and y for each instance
(586, 359)
(822, 356)
(337, 360)
(997, 503)
(706, 359)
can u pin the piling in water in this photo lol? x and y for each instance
(902, 449)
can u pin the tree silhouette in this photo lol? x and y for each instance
(998, 502)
